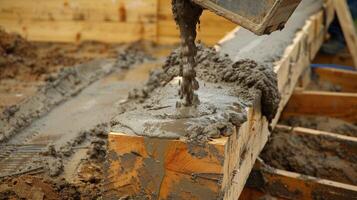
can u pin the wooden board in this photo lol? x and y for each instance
(76, 31)
(343, 58)
(345, 79)
(331, 104)
(267, 181)
(348, 28)
(79, 10)
(103, 20)
(298, 56)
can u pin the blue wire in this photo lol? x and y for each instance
(313, 66)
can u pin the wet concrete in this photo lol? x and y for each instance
(227, 90)
(61, 87)
(248, 74)
(187, 14)
(94, 105)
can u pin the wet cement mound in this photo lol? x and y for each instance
(61, 87)
(152, 111)
(322, 123)
(245, 76)
(316, 156)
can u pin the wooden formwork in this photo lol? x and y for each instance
(237, 152)
(102, 20)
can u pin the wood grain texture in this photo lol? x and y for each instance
(345, 79)
(298, 56)
(283, 184)
(103, 20)
(331, 104)
(348, 28)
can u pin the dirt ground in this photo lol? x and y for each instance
(322, 123)
(24, 65)
(316, 156)
(73, 170)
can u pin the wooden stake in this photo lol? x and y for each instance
(348, 28)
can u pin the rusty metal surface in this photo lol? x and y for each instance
(260, 16)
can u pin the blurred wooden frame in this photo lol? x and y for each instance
(103, 20)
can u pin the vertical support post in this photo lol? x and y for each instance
(347, 25)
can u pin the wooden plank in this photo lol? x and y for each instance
(331, 104)
(160, 167)
(74, 31)
(343, 58)
(347, 80)
(298, 55)
(348, 28)
(163, 168)
(79, 10)
(289, 185)
(346, 143)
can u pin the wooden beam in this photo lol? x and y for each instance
(163, 168)
(289, 185)
(343, 58)
(297, 57)
(79, 10)
(347, 143)
(76, 31)
(103, 20)
(267, 181)
(331, 104)
(347, 80)
(348, 28)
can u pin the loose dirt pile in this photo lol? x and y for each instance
(316, 156)
(322, 123)
(24, 60)
(25, 66)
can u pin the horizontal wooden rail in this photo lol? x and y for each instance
(315, 103)
(289, 185)
(347, 80)
(103, 20)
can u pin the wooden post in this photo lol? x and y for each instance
(348, 28)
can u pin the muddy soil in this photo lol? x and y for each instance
(322, 123)
(71, 166)
(25, 66)
(311, 155)
(28, 61)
